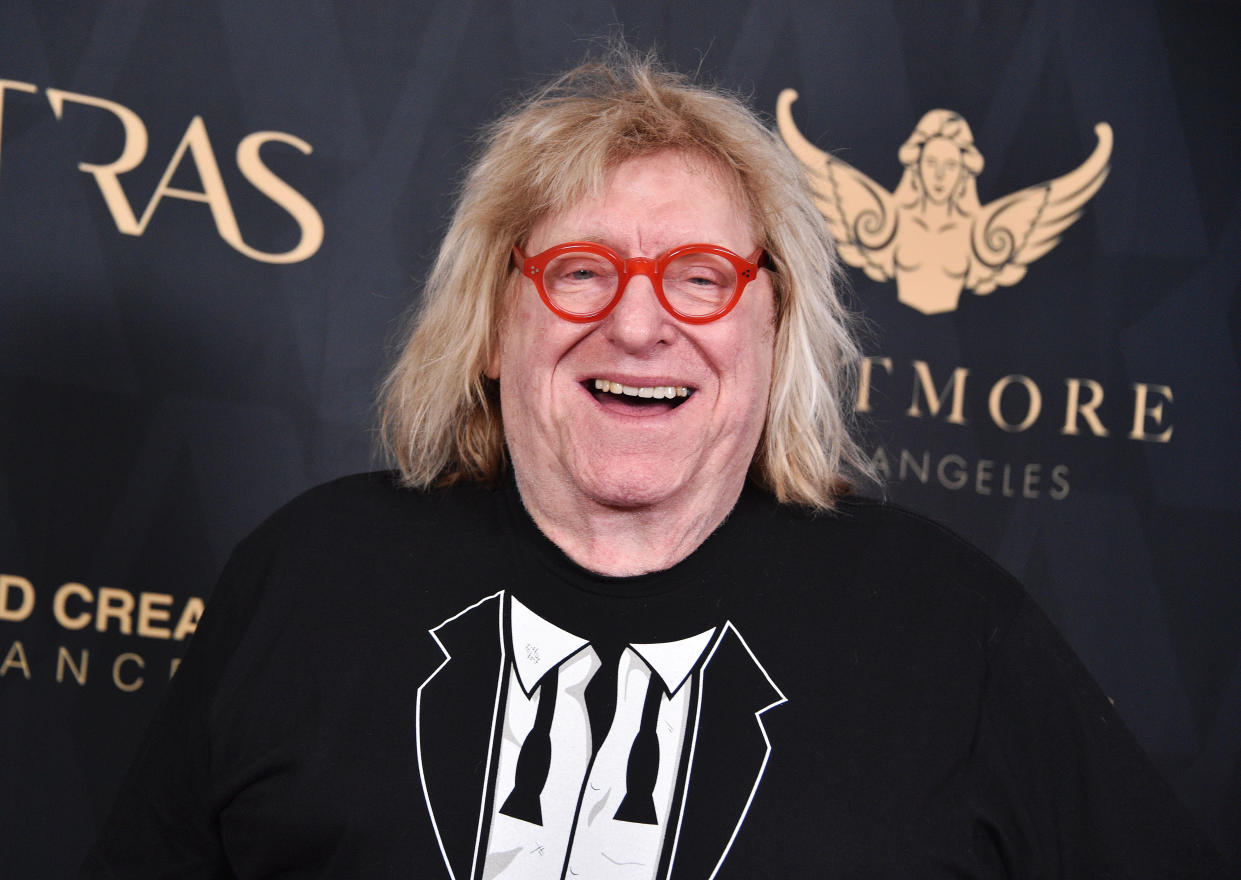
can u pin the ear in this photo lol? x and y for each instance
(492, 368)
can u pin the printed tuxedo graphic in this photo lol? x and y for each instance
(465, 708)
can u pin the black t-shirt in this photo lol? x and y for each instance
(879, 700)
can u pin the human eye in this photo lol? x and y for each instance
(704, 278)
(575, 268)
(578, 280)
(699, 283)
(701, 271)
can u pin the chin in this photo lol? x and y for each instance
(644, 486)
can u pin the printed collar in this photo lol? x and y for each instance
(540, 646)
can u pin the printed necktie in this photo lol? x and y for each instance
(534, 759)
(601, 692)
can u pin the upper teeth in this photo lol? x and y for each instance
(656, 391)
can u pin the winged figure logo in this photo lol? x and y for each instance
(931, 234)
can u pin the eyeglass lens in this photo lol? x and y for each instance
(695, 284)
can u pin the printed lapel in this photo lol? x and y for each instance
(729, 754)
(456, 717)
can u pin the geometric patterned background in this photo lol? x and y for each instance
(161, 392)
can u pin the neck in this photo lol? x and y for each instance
(938, 211)
(623, 540)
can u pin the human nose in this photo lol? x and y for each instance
(639, 321)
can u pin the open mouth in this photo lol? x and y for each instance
(662, 396)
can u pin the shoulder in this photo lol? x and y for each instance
(884, 539)
(897, 538)
(374, 509)
(875, 561)
(366, 540)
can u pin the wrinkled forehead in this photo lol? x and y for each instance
(575, 189)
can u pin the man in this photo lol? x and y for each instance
(618, 620)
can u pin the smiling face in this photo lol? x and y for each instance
(573, 439)
(940, 168)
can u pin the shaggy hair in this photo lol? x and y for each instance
(440, 416)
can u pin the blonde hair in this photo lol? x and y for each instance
(440, 416)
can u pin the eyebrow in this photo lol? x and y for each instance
(596, 238)
(591, 238)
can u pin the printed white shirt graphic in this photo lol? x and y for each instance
(579, 835)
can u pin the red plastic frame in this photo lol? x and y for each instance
(533, 267)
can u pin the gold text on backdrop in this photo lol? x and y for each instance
(197, 145)
(159, 618)
(1015, 402)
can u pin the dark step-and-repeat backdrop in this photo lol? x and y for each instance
(213, 216)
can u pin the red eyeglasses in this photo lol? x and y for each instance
(582, 282)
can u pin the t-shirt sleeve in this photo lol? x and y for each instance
(165, 820)
(1083, 799)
